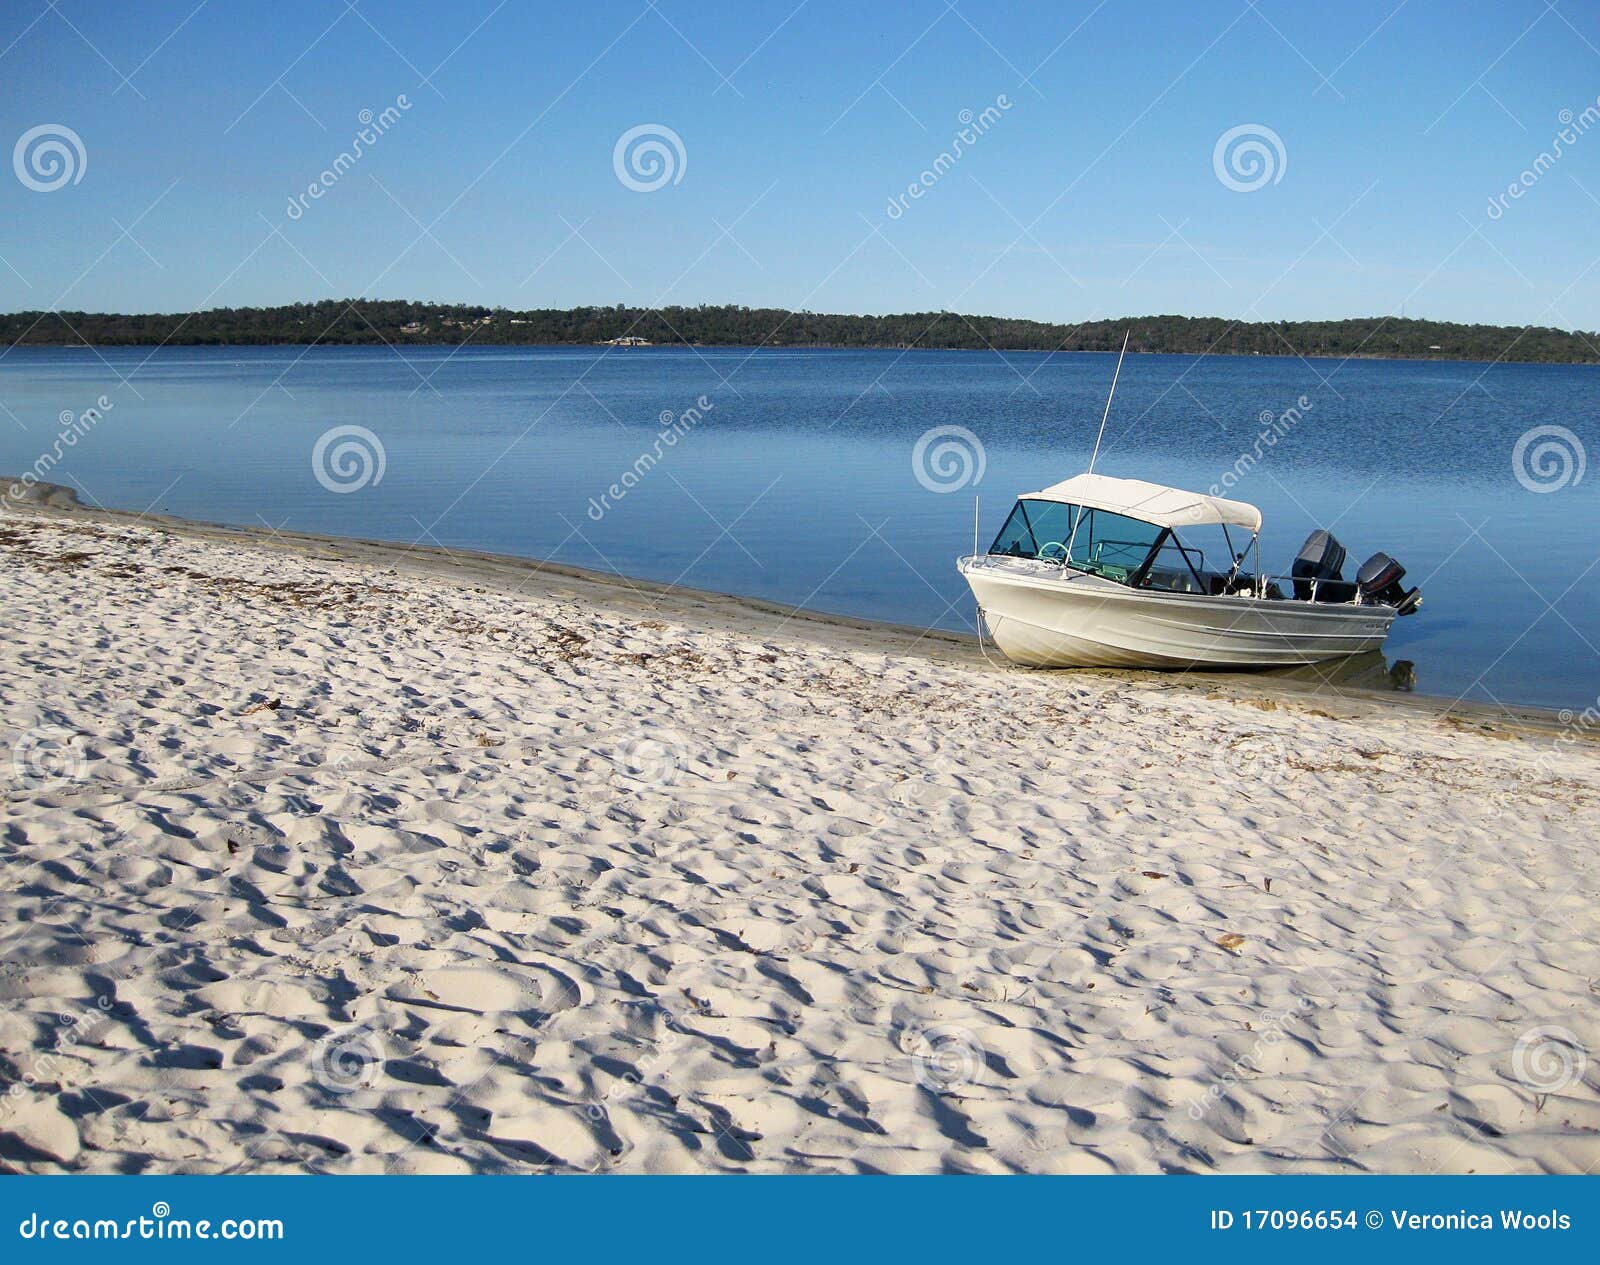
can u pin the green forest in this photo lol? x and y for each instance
(357, 321)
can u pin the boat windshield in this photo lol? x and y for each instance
(1094, 540)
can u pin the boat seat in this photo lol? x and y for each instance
(1171, 580)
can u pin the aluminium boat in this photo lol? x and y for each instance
(1098, 571)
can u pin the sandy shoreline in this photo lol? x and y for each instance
(325, 856)
(1350, 690)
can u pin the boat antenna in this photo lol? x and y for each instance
(1110, 395)
(1096, 453)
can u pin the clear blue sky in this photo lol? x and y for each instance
(1094, 194)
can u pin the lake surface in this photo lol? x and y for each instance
(799, 479)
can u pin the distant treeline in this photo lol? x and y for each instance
(368, 321)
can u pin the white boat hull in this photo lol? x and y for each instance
(1041, 616)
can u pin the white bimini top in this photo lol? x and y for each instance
(1149, 502)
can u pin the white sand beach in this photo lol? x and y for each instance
(317, 858)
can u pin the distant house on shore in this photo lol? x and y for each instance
(628, 340)
(411, 327)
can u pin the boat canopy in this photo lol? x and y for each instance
(1150, 502)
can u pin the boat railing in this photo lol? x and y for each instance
(1350, 591)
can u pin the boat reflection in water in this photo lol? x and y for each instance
(1369, 671)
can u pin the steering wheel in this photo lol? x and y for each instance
(1049, 545)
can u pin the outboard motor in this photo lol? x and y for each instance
(1320, 559)
(1379, 581)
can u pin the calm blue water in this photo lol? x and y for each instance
(798, 484)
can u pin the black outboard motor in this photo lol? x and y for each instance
(1379, 581)
(1320, 559)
